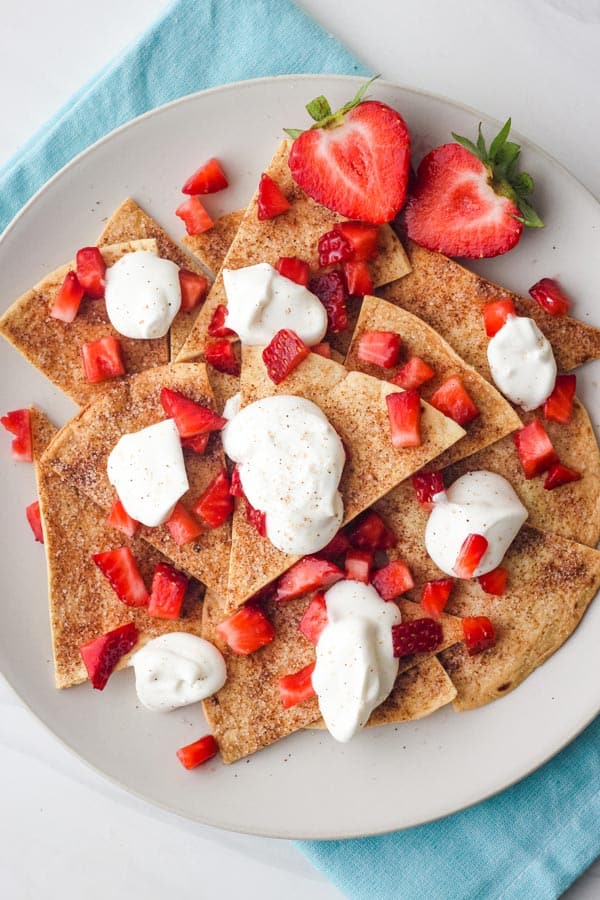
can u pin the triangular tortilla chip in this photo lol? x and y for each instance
(80, 451)
(82, 603)
(54, 347)
(355, 405)
(211, 246)
(497, 417)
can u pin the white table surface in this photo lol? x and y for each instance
(65, 831)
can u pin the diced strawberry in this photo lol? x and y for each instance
(271, 201)
(413, 374)
(120, 569)
(358, 565)
(494, 582)
(435, 596)
(404, 411)
(293, 268)
(427, 485)
(307, 575)
(35, 520)
(358, 277)
(91, 271)
(559, 405)
(534, 448)
(257, 519)
(323, 349)
(191, 418)
(120, 519)
(182, 525)
(66, 303)
(221, 356)
(217, 327)
(496, 313)
(216, 503)
(471, 553)
(381, 348)
(417, 636)
(298, 687)
(194, 755)
(393, 580)
(550, 296)
(198, 442)
(102, 359)
(18, 422)
(559, 475)
(453, 400)
(246, 630)
(331, 291)
(314, 619)
(208, 179)
(235, 487)
(101, 655)
(336, 546)
(194, 216)
(479, 634)
(333, 248)
(193, 289)
(284, 352)
(167, 593)
(362, 237)
(371, 533)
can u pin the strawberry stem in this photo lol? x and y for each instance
(319, 109)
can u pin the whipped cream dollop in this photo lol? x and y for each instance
(356, 668)
(232, 406)
(147, 470)
(260, 302)
(479, 502)
(522, 362)
(143, 294)
(290, 462)
(177, 669)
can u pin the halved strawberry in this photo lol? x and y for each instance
(182, 525)
(550, 296)
(257, 519)
(333, 248)
(314, 619)
(371, 533)
(194, 755)
(413, 374)
(559, 475)
(217, 326)
(496, 313)
(101, 655)
(102, 359)
(120, 569)
(479, 634)
(35, 520)
(559, 405)
(91, 271)
(191, 418)
(404, 411)
(293, 268)
(427, 485)
(358, 565)
(66, 303)
(331, 291)
(208, 179)
(221, 356)
(336, 546)
(216, 503)
(393, 580)
(470, 202)
(494, 582)
(194, 216)
(246, 630)
(417, 636)
(453, 399)
(193, 289)
(198, 442)
(323, 349)
(471, 553)
(534, 448)
(298, 687)
(283, 353)
(120, 519)
(167, 592)
(18, 422)
(381, 348)
(271, 200)
(307, 575)
(358, 277)
(362, 237)
(435, 595)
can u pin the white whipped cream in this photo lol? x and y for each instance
(232, 406)
(476, 503)
(147, 470)
(356, 668)
(522, 362)
(176, 669)
(143, 294)
(290, 462)
(260, 302)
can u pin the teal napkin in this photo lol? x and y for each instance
(528, 843)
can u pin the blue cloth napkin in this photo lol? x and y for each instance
(528, 843)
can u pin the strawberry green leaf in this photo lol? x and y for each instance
(481, 148)
(293, 132)
(523, 184)
(529, 216)
(500, 140)
(318, 108)
(466, 143)
(360, 95)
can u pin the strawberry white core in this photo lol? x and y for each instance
(522, 362)
(143, 295)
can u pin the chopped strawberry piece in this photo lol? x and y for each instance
(120, 519)
(194, 216)
(298, 687)
(191, 418)
(271, 201)
(246, 630)
(217, 327)
(453, 400)
(496, 313)
(198, 443)
(182, 525)
(471, 553)
(216, 503)
(101, 655)
(91, 271)
(257, 519)
(333, 248)
(167, 593)
(208, 179)
(293, 268)
(479, 634)
(371, 533)
(336, 546)
(323, 349)
(404, 411)
(35, 520)
(235, 488)
(331, 291)
(18, 422)
(307, 575)
(393, 580)
(194, 755)
(413, 374)
(284, 352)
(66, 303)
(193, 289)
(382, 348)
(314, 619)
(559, 405)
(362, 237)
(417, 636)
(534, 448)
(559, 475)
(435, 596)
(494, 582)
(221, 356)
(102, 359)
(550, 296)
(358, 277)
(427, 485)
(120, 569)
(358, 565)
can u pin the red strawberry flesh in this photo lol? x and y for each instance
(35, 520)
(307, 575)
(91, 271)
(191, 418)
(283, 354)
(120, 569)
(18, 422)
(246, 631)
(102, 654)
(417, 636)
(479, 634)
(193, 755)
(208, 179)
(472, 551)
(393, 580)
(297, 688)
(167, 593)
(550, 296)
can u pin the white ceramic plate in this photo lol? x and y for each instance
(306, 786)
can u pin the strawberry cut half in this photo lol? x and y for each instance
(362, 237)
(68, 300)
(18, 422)
(381, 348)
(182, 525)
(371, 533)
(191, 418)
(293, 268)
(198, 442)
(193, 755)
(496, 313)
(35, 520)
(413, 374)
(549, 295)
(417, 636)
(558, 475)
(559, 405)
(216, 503)
(102, 359)
(435, 596)
(120, 519)
(393, 580)
(358, 277)
(297, 688)
(427, 485)
(120, 569)
(404, 411)
(358, 565)
(101, 655)
(208, 179)
(453, 400)
(479, 634)
(314, 619)
(221, 356)
(271, 200)
(193, 289)
(494, 582)
(246, 631)
(91, 272)
(331, 291)
(217, 327)
(194, 216)
(309, 574)
(283, 354)
(534, 448)
(167, 592)
(472, 551)
(333, 248)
